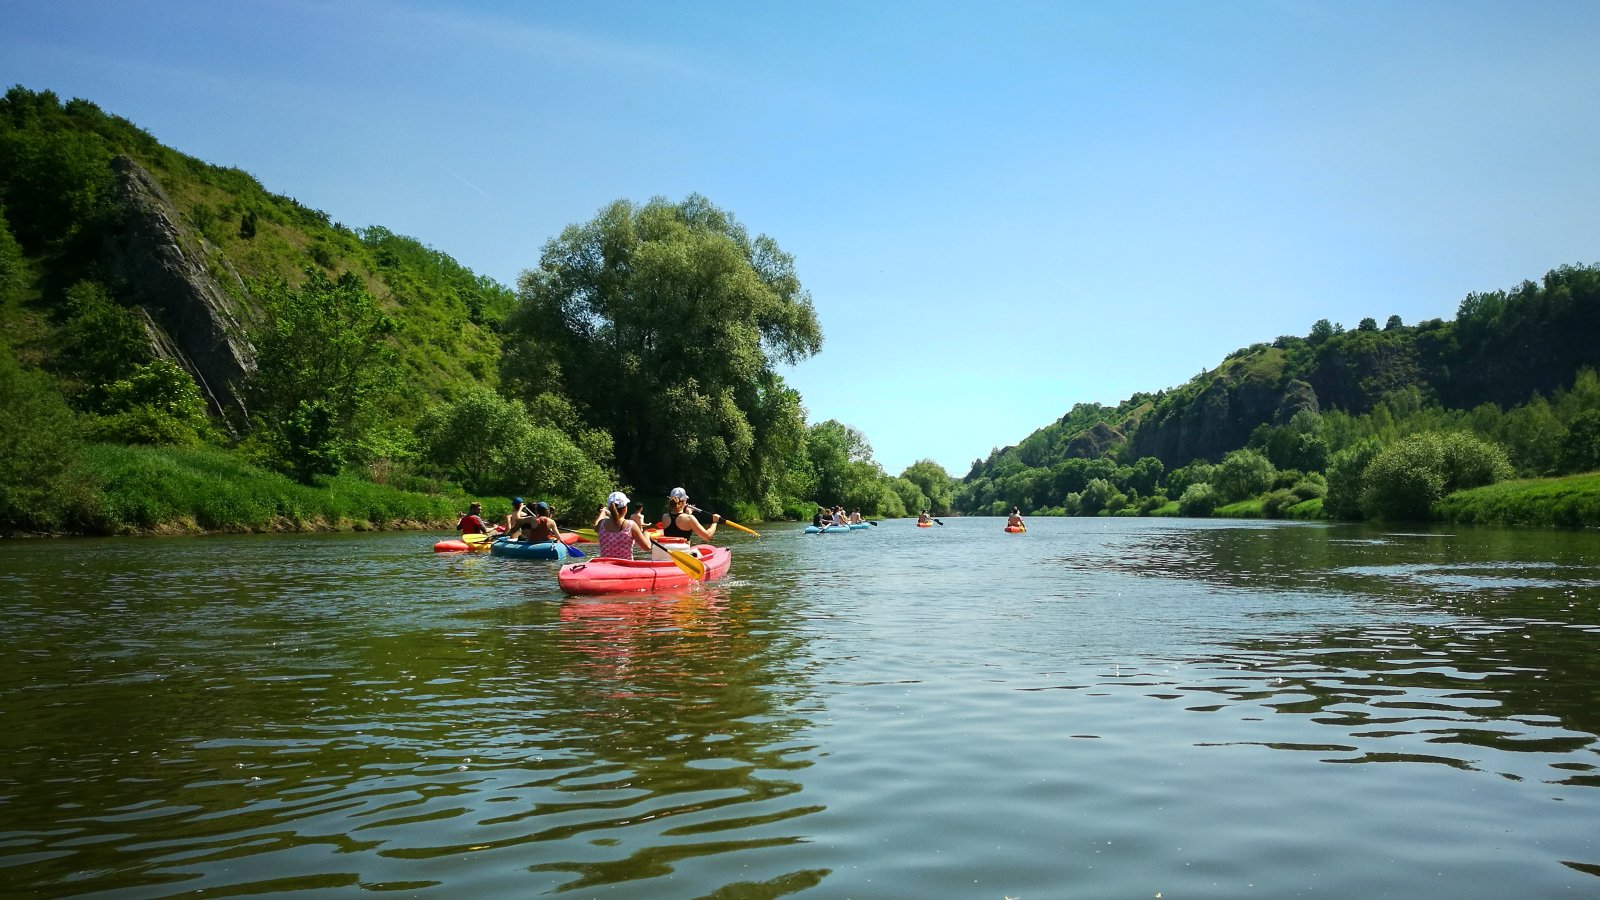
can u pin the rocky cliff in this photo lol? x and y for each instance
(185, 287)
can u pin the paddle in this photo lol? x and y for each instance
(586, 534)
(872, 522)
(474, 539)
(733, 523)
(690, 564)
(937, 522)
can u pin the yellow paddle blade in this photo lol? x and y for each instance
(741, 527)
(476, 538)
(688, 562)
(587, 534)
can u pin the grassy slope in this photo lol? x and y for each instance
(1570, 501)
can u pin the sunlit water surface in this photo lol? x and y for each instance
(1097, 708)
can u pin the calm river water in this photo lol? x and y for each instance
(1097, 708)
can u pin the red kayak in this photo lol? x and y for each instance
(620, 576)
(1016, 529)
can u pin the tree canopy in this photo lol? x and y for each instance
(663, 324)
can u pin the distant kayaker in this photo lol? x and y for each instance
(924, 517)
(679, 521)
(816, 520)
(855, 517)
(616, 532)
(471, 521)
(535, 525)
(1015, 521)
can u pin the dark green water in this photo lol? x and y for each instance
(1098, 708)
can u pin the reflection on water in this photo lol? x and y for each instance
(1095, 708)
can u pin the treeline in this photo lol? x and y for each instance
(639, 351)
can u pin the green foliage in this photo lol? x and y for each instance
(157, 403)
(1573, 501)
(14, 274)
(1197, 472)
(1099, 495)
(1241, 475)
(663, 323)
(103, 342)
(39, 445)
(1580, 448)
(1198, 500)
(935, 484)
(324, 367)
(494, 446)
(55, 177)
(1406, 478)
(1346, 479)
(187, 489)
(1276, 504)
(909, 496)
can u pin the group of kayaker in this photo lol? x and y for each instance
(825, 517)
(617, 532)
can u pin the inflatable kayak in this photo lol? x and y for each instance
(617, 576)
(524, 550)
(827, 529)
(924, 524)
(857, 526)
(1016, 529)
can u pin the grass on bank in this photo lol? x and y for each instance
(1571, 501)
(173, 490)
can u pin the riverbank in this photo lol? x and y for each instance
(1567, 502)
(130, 490)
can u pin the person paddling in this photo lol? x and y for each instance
(616, 532)
(535, 525)
(924, 517)
(471, 521)
(1015, 521)
(679, 521)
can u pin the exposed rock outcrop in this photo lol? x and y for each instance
(162, 265)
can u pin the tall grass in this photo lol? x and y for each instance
(1570, 502)
(205, 489)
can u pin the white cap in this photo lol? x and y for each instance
(679, 494)
(617, 498)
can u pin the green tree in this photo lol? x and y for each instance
(1580, 449)
(157, 403)
(935, 484)
(1346, 479)
(1241, 475)
(13, 267)
(1199, 500)
(103, 341)
(663, 323)
(1407, 477)
(38, 450)
(325, 366)
(910, 496)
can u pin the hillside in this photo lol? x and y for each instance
(95, 202)
(1503, 351)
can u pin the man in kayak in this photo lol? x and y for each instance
(816, 519)
(855, 516)
(533, 523)
(924, 517)
(1015, 521)
(471, 521)
(616, 532)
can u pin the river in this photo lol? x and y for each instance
(1097, 708)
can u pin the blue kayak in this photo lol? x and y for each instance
(830, 529)
(525, 550)
(857, 526)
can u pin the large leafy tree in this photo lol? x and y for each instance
(325, 365)
(934, 483)
(663, 323)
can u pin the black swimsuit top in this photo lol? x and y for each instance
(672, 530)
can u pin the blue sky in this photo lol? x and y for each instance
(1000, 210)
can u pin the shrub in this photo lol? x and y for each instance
(1276, 504)
(1346, 479)
(1198, 500)
(1407, 477)
(1242, 474)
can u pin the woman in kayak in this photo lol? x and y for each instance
(616, 532)
(679, 521)
(1015, 521)
(534, 524)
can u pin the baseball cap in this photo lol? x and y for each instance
(541, 507)
(617, 498)
(679, 494)
(517, 500)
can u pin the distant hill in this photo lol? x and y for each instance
(1502, 348)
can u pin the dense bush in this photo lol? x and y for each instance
(1241, 475)
(1406, 478)
(39, 481)
(1276, 504)
(1346, 473)
(1198, 500)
